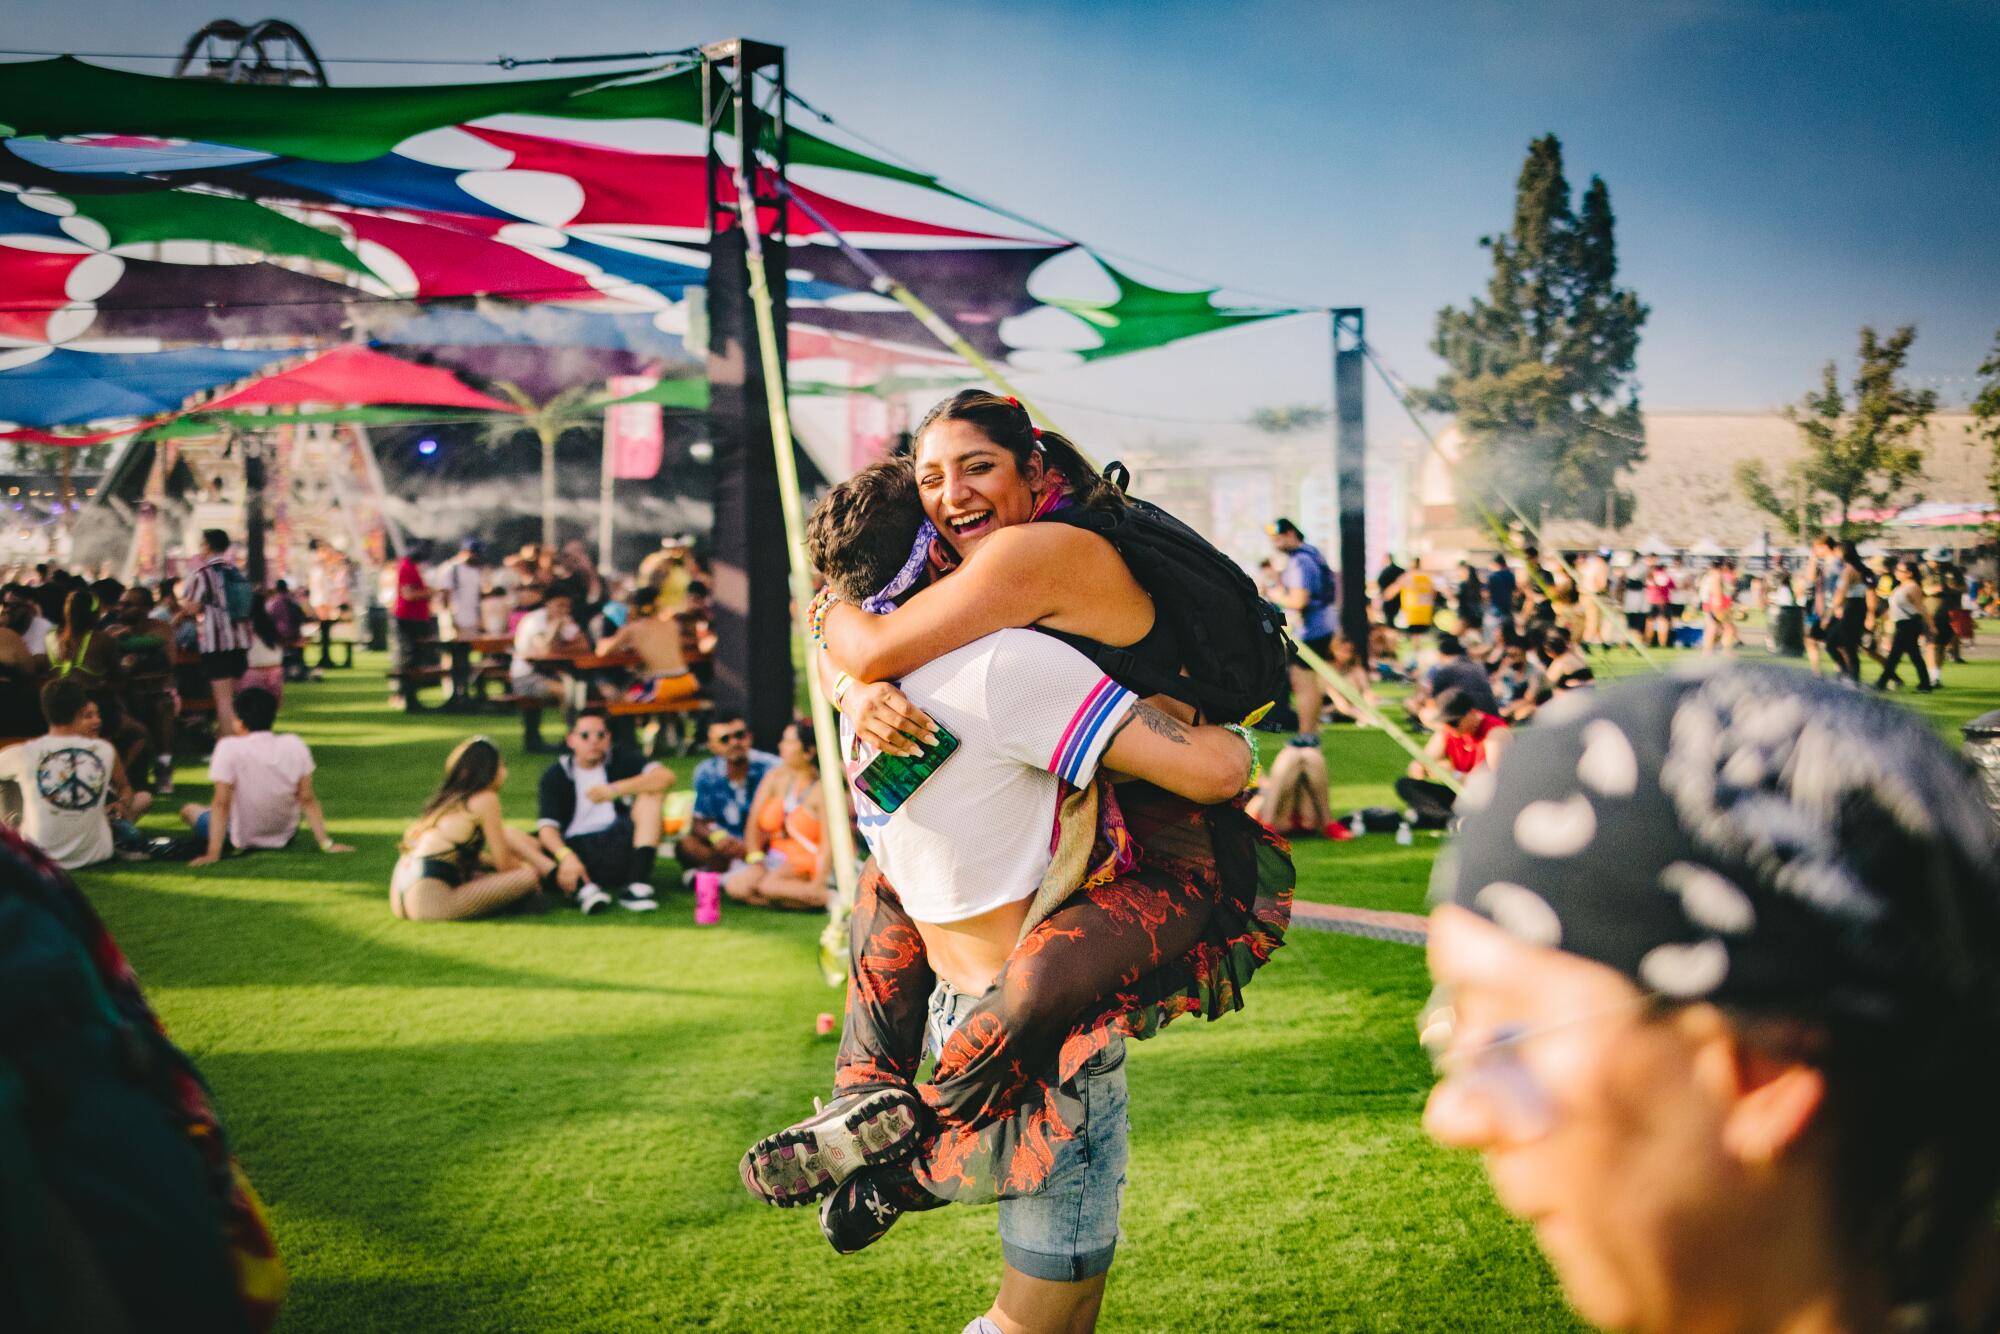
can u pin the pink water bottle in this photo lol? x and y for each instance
(707, 898)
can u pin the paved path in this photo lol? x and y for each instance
(1402, 927)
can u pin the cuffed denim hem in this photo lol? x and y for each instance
(1059, 1268)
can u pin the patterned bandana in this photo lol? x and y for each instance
(1751, 836)
(884, 602)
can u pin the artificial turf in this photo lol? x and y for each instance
(533, 1123)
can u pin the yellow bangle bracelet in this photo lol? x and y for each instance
(841, 685)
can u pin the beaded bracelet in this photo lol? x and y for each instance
(816, 622)
(1256, 757)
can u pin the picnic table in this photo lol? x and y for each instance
(461, 648)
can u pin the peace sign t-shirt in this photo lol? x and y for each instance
(65, 785)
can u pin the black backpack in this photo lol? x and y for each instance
(1234, 641)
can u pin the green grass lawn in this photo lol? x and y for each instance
(533, 1123)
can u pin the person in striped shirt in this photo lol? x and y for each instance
(222, 637)
(983, 887)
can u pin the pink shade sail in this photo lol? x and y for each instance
(357, 374)
(622, 188)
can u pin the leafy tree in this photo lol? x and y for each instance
(548, 422)
(1866, 445)
(1541, 369)
(1986, 411)
(1289, 418)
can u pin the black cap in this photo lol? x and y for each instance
(1284, 528)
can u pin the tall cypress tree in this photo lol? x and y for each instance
(1541, 370)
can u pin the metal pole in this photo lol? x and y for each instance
(604, 502)
(753, 662)
(1350, 471)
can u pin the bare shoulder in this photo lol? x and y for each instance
(1040, 546)
(483, 803)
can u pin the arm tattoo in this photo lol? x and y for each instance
(1160, 724)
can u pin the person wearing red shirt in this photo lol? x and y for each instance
(1467, 738)
(411, 613)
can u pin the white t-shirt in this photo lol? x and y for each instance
(461, 582)
(1030, 713)
(591, 817)
(65, 786)
(528, 634)
(37, 634)
(264, 769)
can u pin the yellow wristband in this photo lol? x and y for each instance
(841, 685)
(754, 858)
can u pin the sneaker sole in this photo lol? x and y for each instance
(812, 1159)
(638, 905)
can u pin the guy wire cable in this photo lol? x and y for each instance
(832, 768)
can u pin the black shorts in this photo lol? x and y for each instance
(225, 666)
(1323, 646)
(606, 855)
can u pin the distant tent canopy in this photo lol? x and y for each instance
(460, 225)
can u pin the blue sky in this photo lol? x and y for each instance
(1782, 173)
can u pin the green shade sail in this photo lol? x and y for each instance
(178, 215)
(667, 393)
(1144, 317)
(65, 96)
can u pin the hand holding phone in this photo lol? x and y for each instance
(890, 780)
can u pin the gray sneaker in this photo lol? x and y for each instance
(811, 1158)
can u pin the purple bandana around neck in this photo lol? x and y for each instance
(885, 601)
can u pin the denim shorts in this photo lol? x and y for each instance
(1067, 1231)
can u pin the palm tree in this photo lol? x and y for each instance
(572, 409)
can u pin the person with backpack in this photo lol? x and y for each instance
(970, 849)
(1019, 532)
(217, 594)
(1309, 591)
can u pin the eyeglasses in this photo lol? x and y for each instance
(724, 738)
(1492, 1074)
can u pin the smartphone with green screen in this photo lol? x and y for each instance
(890, 780)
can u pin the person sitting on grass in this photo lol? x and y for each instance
(1519, 684)
(1467, 738)
(263, 786)
(785, 861)
(1565, 668)
(70, 780)
(459, 859)
(723, 786)
(1292, 799)
(599, 817)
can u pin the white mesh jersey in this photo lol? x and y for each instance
(1030, 714)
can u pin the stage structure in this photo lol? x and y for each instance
(241, 256)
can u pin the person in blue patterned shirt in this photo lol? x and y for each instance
(723, 786)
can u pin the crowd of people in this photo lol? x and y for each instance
(1484, 648)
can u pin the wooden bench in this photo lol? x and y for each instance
(692, 710)
(411, 680)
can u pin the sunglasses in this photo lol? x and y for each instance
(1493, 1076)
(724, 738)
